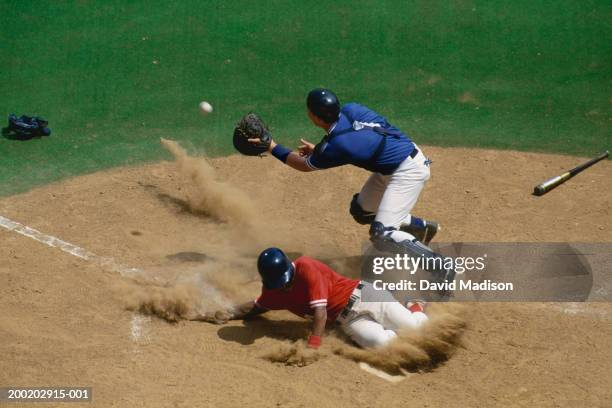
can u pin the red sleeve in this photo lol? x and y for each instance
(317, 284)
(265, 301)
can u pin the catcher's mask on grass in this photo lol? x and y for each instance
(25, 127)
(324, 104)
(275, 268)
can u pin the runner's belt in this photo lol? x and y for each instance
(354, 297)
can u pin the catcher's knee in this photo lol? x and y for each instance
(359, 214)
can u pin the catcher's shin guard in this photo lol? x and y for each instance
(388, 239)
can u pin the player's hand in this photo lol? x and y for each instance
(306, 357)
(271, 146)
(218, 317)
(306, 148)
(294, 354)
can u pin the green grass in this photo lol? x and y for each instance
(525, 75)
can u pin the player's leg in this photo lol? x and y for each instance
(407, 185)
(402, 192)
(367, 332)
(383, 307)
(400, 196)
(421, 229)
(396, 316)
(389, 239)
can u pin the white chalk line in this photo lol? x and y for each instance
(138, 321)
(138, 326)
(107, 263)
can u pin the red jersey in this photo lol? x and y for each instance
(314, 284)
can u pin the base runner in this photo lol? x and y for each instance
(307, 287)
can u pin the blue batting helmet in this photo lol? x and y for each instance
(275, 268)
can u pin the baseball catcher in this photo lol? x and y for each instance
(307, 287)
(359, 136)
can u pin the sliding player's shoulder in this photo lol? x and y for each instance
(304, 262)
(309, 265)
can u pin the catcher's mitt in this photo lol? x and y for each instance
(251, 127)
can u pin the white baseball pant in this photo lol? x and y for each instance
(375, 324)
(392, 197)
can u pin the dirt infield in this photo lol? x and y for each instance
(67, 321)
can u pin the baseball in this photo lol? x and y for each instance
(205, 107)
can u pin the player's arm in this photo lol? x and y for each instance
(291, 159)
(318, 294)
(298, 162)
(246, 310)
(284, 154)
(318, 326)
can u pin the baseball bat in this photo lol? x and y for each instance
(551, 183)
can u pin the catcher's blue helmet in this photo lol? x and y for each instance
(275, 268)
(324, 104)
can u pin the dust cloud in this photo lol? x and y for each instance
(416, 350)
(241, 215)
(209, 195)
(190, 291)
(171, 304)
(293, 354)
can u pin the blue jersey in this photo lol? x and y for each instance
(363, 138)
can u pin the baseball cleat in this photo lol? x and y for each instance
(431, 229)
(424, 235)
